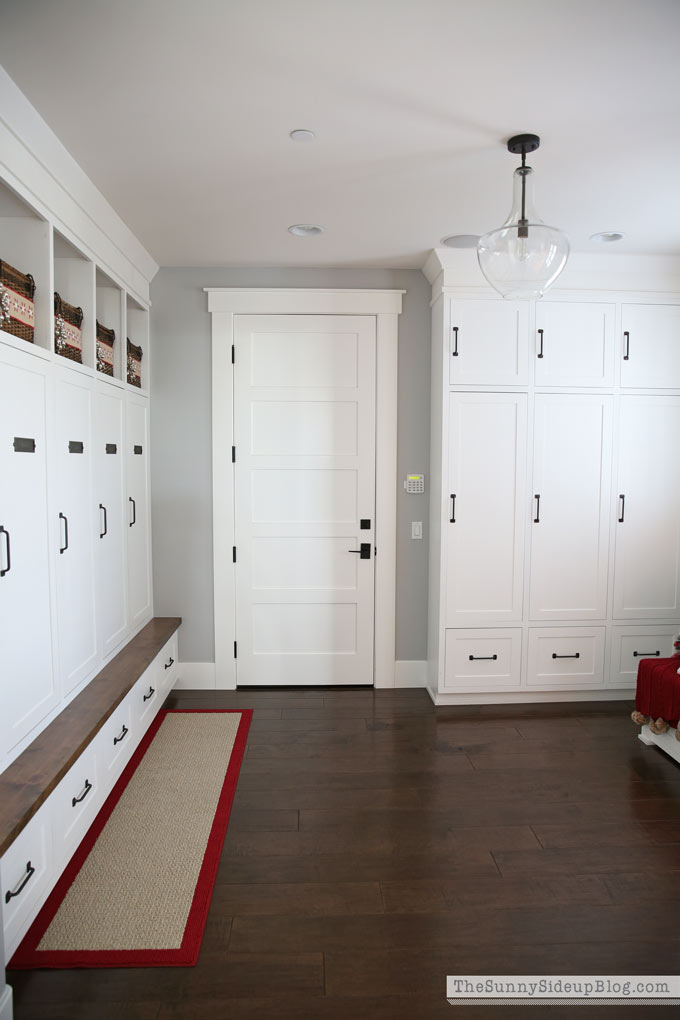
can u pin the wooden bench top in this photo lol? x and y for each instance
(32, 777)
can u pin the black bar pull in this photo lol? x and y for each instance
(576, 655)
(122, 735)
(626, 339)
(169, 664)
(75, 446)
(537, 518)
(452, 518)
(364, 552)
(622, 508)
(540, 349)
(482, 658)
(30, 871)
(64, 547)
(6, 570)
(151, 693)
(24, 445)
(647, 655)
(134, 511)
(454, 352)
(106, 521)
(81, 797)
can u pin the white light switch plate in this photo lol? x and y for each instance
(416, 529)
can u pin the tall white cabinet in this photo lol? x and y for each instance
(555, 505)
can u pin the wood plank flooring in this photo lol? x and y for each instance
(378, 844)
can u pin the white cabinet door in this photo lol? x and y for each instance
(28, 689)
(485, 512)
(650, 349)
(574, 344)
(108, 505)
(570, 508)
(646, 573)
(74, 529)
(138, 530)
(489, 343)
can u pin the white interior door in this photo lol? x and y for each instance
(304, 433)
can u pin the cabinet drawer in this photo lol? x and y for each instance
(483, 660)
(75, 803)
(166, 665)
(630, 644)
(27, 875)
(566, 658)
(114, 744)
(146, 698)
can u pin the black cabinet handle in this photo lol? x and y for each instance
(81, 796)
(537, 518)
(169, 664)
(30, 871)
(540, 336)
(576, 655)
(454, 352)
(64, 518)
(123, 734)
(482, 658)
(150, 694)
(134, 511)
(452, 518)
(647, 655)
(622, 507)
(106, 521)
(626, 338)
(6, 570)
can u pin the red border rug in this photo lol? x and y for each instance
(27, 955)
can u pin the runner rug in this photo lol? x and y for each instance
(137, 891)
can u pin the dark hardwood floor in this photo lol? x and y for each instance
(377, 844)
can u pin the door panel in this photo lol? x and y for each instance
(570, 539)
(304, 430)
(650, 356)
(489, 343)
(137, 500)
(108, 508)
(485, 528)
(574, 344)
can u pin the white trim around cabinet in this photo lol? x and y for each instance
(223, 304)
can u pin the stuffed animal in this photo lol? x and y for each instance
(676, 649)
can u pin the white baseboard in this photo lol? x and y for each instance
(526, 698)
(195, 676)
(6, 1003)
(410, 673)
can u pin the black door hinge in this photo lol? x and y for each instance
(233, 553)
(235, 652)
(233, 454)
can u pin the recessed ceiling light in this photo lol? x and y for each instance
(461, 241)
(305, 229)
(607, 236)
(302, 135)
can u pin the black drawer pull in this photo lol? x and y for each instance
(81, 797)
(540, 352)
(647, 655)
(626, 337)
(150, 694)
(169, 664)
(30, 871)
(123, 735)
(622, 508)
(106, 521)
(482, 658)
(6, 570)
(576, 655)
(454, 352)
(64, 518)
(452, 518)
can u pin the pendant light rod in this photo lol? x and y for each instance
(521, 144)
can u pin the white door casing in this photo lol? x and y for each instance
(384, 306)
(304, 435)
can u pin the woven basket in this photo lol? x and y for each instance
(68, 338)
(106, 338)
(17, 311)
(134, 364)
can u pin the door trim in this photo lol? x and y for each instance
(385, 305)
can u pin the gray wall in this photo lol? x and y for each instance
(181, 468)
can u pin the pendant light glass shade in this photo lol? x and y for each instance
(524, 256)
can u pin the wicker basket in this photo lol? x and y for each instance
(106, 338)
(134, 364)
(17, 311)
(68, 338)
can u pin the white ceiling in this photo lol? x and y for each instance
(179, 111)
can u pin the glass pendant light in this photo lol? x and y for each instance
(524, 256)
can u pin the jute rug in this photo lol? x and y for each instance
(137, 891)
